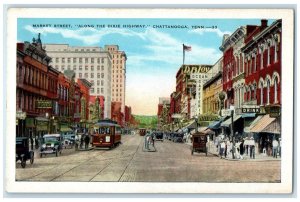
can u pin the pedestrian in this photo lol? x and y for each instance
(81, 141)
(36, 142)
(31, 142)
(86, 141)
(279, 147)
(242, 147)
(222, 148)
(252, 147)
(274, 147)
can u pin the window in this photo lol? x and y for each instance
(268, 92)
(69, 67)
(98, 82)
(98, 60)
(92, 68)
(98, 75)
(102, 83)
(74, 67)
(102, 90)
(80, 67)
(269, 55)
(92, 60)
(275, 90)
(80, 60)
(98, 90)
(86, 60)
(80, 75)
(63, 60)
(69, 60)
(85, 75)
(86, 67)
(92, 90)
(62, 68)
(74, 60)
(92, 75)
(102, 60)
(102, 68)
(98, 68)
(56, 60)
(102, 75)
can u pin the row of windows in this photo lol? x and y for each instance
(99, 90)
(80, 60)
(117, 61)
(86, 75)
(35, 77)
(79, 68)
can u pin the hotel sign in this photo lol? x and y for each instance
(190, 69)
(44, 104)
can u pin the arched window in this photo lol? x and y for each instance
(268, 91)
(275, 90)
(261, 93)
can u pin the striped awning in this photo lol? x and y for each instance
(253, 123)
(263, 124)
(227, 123)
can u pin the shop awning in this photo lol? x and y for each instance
(215, 125)
(248, 115)
(253, 123)
(262, 124)
(65, 129)
(227, 123)
(273, 127)
(41, 119)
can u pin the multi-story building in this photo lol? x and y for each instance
(90, 63)
(163, 111)
(212, 88)
(233, 65)
(36, 90)
(118, 83)
(263, 66)
(116, 113)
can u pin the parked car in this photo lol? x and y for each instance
(52, 144)
(22, 151)
(69, 140)
(159, 136)
(177, 137)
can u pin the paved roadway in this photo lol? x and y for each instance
(172, 162)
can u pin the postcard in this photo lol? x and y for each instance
(149, 100)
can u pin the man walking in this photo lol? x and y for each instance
(274, 148)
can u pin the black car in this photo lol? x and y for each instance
(22, 151)
(159, 136)
(178, 137)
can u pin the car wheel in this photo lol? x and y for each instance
(23, 163)
(31, 158)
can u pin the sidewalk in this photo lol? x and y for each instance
(258, 157)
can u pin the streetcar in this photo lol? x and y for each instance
(142, 131)
(107, 134)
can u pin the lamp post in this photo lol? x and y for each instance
(196, 121)
(232, 135)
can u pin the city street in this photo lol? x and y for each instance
(172, 162)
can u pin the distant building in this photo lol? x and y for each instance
(88, 62)
(116, 113)
(118, 75)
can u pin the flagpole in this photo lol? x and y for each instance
(183, 54)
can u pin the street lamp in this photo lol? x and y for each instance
(196, 121)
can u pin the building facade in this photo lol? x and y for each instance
(91, 63)
(118, 76)
(263, 67)
(36, 90)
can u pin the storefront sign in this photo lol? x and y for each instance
(208, 118)
(250, 110)
(44, 104)
(274, 111)
(189, 69)
(21, 115)
(226, 112)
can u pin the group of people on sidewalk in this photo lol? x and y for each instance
(242, 148)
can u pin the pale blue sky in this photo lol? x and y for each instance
(154, 54)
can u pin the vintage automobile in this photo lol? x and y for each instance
(69, 140)
(177, 137)
(199, 141)
(52, 144)
(158, 136)
(22, 151)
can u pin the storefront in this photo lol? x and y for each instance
(42, 126)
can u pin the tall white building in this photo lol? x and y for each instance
(118, 89)
(91, 63)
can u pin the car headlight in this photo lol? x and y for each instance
(43, 146)
(52, 145)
